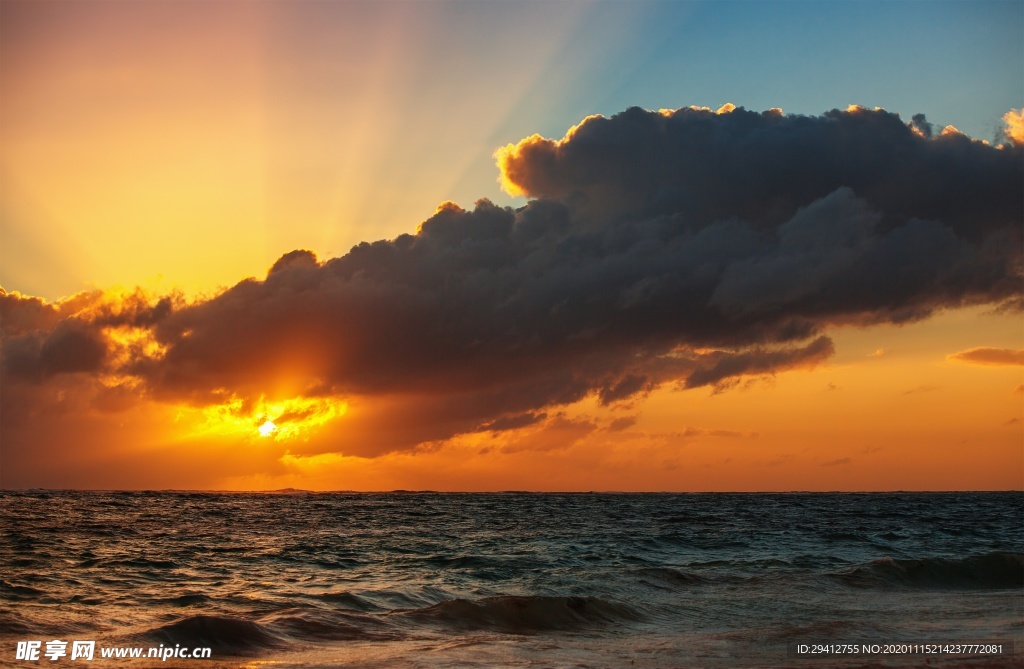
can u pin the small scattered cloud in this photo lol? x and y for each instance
(723, 369)
(837, 463)
(691, 432)
(513, 422)
(1019, 390)
(556, 433)
(1012, 421)
(622, 423)
(989, 356)
(831, 387)
(878, 353)
(921, 389)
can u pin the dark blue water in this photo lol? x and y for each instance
(510, 579)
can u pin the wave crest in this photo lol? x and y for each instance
(990, 571)
(522, 614)
(346, 599)
(311, 624)
(666, 578)
(221, 633)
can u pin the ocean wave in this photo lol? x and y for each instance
(186, 599)
(460, 561)
(17, 592)
(40, 622)
(309, 624)
(223, 634)
(130, 563)
(346, 599)
(86, 600)
(669, 578)
(14, 626)
(811, 631)
(666, 578)
(998, 570)
(524, 614)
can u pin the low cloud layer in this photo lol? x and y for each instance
(687, 247)
(989, 356)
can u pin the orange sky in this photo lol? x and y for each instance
(889, 412)
(127, 159)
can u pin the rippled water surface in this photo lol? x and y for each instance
(510, 579)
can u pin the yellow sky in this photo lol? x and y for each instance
(189, 146)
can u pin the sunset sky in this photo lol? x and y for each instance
(512, 245)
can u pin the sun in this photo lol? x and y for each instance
(282, 420)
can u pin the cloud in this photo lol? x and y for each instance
(837, 463)
(762, 168)
(688, 247)
(558, 432)
(989, 356)
(783, 459)
(513, 422)
(690, 432)
(1014, 120)
(929, 388)
(622, 423)
(720, 366)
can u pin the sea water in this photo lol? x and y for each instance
(401, 579)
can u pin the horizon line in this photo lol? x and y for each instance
(292, 491)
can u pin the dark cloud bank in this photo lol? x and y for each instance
(690, 248)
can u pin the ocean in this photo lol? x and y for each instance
(403, 580)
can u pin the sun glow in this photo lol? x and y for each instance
(278, 419)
